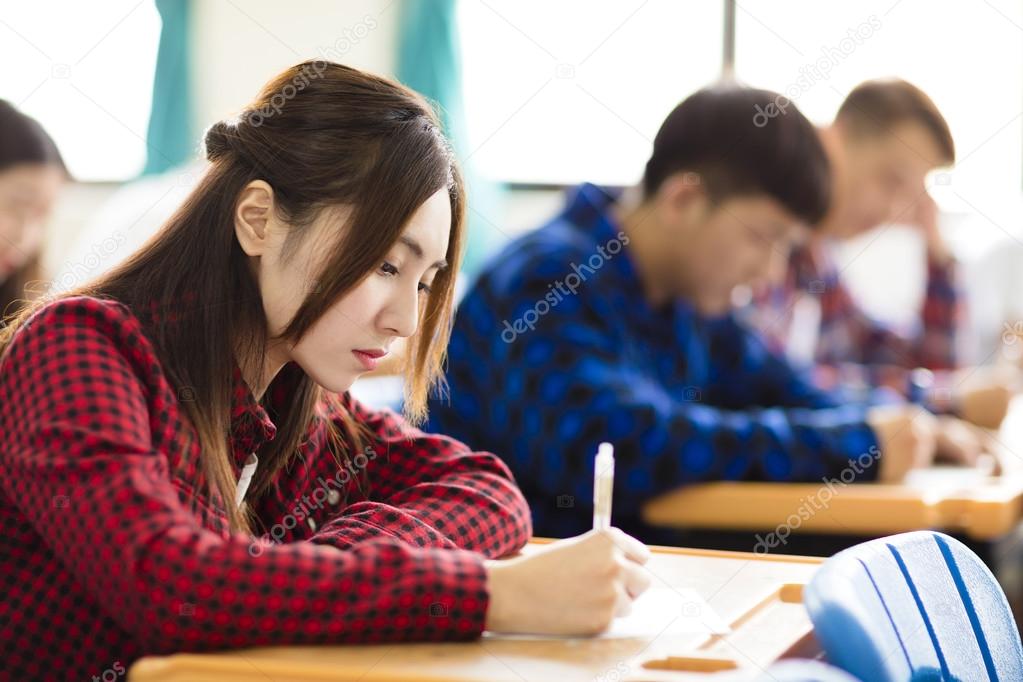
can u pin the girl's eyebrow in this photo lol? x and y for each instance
(417, 251)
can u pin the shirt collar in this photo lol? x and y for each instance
(251, 423)
(590, 209)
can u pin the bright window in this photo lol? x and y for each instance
(550, 105)
(558, 92)
(84, 70)
(968, 56)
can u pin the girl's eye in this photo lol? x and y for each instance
(424, 288)
(389, 269)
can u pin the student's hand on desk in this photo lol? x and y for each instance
(912, 438)
(907, 436)
(962, 443)
(984, 395)
(958, 442)
(570, 587)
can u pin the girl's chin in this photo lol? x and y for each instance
(337, 382)
(339, 386)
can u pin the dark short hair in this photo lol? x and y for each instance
(744, 141)
(878, 106)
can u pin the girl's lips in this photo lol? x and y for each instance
(368, 361)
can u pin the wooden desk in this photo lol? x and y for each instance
(987, 510)
(760, 597)
(945, 498)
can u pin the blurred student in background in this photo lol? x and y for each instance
(614, 322)
(885, 139)
(31, 175)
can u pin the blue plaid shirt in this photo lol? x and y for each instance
(555, 349)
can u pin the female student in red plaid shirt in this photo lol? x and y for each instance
(134, 410)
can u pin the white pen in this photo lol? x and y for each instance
(603, 485)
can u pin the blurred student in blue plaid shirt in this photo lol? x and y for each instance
(614, 322)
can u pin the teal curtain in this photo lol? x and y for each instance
(170, 139)
(430, 62)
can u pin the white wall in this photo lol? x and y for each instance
(238, 46)
(241, 45)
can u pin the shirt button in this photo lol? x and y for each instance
(333, 497)
(312, 524)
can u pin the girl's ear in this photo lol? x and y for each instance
(252, 213)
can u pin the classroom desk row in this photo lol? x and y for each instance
(983, 510)
(957, 500)
(759, 597)
(962, 502)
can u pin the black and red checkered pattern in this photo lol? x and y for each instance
(111, 550)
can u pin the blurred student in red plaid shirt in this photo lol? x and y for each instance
(885, 139)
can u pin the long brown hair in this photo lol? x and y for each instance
(321, 135)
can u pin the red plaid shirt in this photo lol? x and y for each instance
(110, 551)
(852, 348)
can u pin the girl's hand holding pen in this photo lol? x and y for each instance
(570, 587)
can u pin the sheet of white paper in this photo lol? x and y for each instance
(944, 478)
(658, 611)
(663, 610)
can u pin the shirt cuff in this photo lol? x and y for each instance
(451, 600)
(855, 454)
